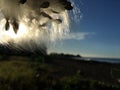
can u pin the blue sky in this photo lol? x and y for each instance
(97, 33)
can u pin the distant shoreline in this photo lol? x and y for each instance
(107, 60)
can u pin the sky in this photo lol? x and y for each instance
(97, 34)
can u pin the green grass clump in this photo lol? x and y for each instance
(15, 74)
(26, 74)
(116, 73)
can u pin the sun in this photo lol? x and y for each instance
(21, 32)
(10, 35)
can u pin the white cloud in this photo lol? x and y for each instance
(77, 36)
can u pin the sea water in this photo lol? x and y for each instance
(108, 60)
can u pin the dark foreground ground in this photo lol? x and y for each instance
(52, 73)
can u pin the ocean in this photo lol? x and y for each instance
(108, 60)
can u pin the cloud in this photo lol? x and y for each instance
(77, 36)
